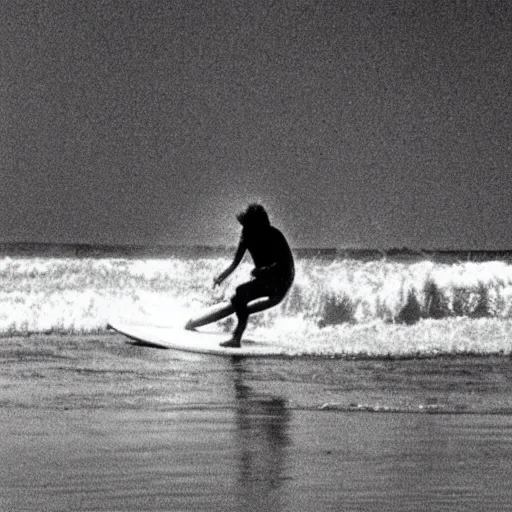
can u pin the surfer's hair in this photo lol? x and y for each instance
(254, 215)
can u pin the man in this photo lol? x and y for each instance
(273, 272)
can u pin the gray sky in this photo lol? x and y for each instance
(366, 123)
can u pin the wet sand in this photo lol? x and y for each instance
(90, 424)
(260, 456)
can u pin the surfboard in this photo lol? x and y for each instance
(193, 341)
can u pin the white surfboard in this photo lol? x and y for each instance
(194, 341)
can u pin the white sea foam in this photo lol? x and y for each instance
(348, 308)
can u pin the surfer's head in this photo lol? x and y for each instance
(254, 216)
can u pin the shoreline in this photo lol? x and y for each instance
(257, 456)
(95, 423)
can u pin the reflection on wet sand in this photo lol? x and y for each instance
(213, 434)
(262, 423)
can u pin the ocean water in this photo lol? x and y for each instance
(397, 394)
(90, 422)
(337, 307)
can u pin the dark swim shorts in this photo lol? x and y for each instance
(268, 286)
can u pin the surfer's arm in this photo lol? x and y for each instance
(240, 251)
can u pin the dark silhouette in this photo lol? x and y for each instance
(261, 440)
(272, 276)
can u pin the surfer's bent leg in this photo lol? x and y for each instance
(246, 293)
(220, 312)
(239, 301)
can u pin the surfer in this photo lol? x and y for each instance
(272, 275)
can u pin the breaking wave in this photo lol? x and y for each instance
(343, 307)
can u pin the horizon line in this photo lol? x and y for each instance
(95, 245)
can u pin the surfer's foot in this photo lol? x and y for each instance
(232, 343)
